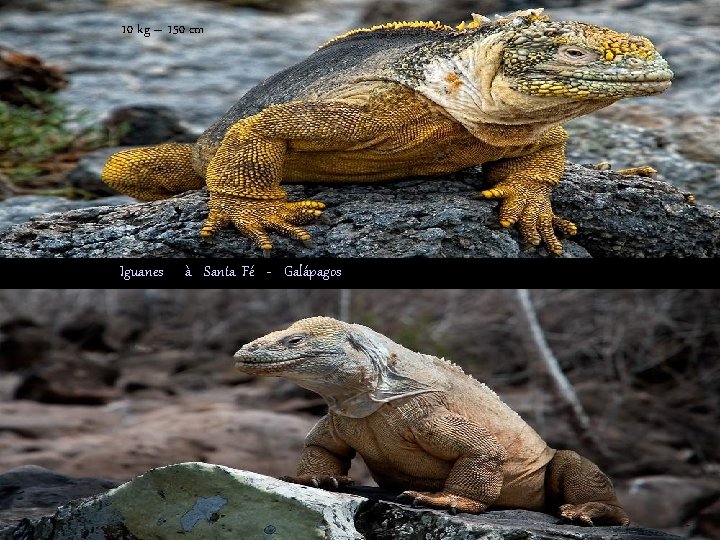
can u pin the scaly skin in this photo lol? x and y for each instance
(423, 427)
(401, 100)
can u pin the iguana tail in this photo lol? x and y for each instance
(153, 172)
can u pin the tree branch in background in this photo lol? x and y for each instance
(560, 383)
(345, 305)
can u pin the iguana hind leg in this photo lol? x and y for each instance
(476, 477)
(153, 172)
(585, 493)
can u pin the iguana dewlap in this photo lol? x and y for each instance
(402, 100)
(423, 427)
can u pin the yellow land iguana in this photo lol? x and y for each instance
(423, 427)
(400, 100)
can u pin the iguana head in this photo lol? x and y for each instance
(308, 349)
(526, 69)
(580, 61)
(349, 365)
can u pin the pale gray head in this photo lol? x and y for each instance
(309, 348)
(351, 366)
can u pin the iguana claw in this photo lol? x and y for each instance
(324, 481)
(254, 216)
(584, 514)
(441, 499)
(528, 204)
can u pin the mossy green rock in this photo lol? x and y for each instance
(200, 501)
(209, 501)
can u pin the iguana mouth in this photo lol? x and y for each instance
(243, 362)
(618, 84)
(645, 86)
(625, 76)
(664, 83)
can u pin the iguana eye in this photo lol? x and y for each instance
(293, 340)
(576, 55)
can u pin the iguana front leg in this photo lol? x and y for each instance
(476, 477)
(524, 184)
(244, 175)
(325, 460)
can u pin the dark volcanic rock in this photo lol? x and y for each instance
(616, 215)
(383, 520)
(146, 124)
(20, 209)
(32, 491)
(594, 139)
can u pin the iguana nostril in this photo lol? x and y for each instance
(248, 347)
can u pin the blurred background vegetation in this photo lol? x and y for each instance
(634, 338)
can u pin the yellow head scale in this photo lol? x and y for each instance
(613, 44)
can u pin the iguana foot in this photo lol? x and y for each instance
(441, 499)
(643, 170)
(254, 216)
(324, 481)
(528, 204)
(591, 513)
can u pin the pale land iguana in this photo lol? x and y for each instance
(423, 427)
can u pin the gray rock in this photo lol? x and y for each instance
(382, 520)
(147, 124)
(22, 208)
(617, 217)
(594, 139)
(35, 491)
(198, 500)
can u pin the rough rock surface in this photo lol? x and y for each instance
(32, 491)
(21, 208)
(594, 139)
(384, 520)
(617, 216)
(199, 500)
